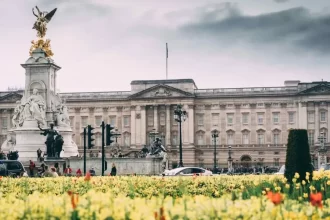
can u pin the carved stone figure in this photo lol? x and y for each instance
(50, 140)
(18, 119)
(35, 107)
(62, 117)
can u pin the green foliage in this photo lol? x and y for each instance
(298, 158)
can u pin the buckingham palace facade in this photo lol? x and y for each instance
(253, 122)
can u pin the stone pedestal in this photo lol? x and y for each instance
(230, 165)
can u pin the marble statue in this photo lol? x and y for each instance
(18, 119)
(62, 117)
(35, 107)
(42, 19)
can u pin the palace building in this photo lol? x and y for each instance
(252, 123)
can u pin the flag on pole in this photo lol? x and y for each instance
(166, 51)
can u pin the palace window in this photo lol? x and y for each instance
(84, 121)
(230, 118)
(126, 121)
(260, 118)
(245, 137)
(276, 117)
(200, 138)
(200, 119)
(261, 137)
(323, 117)
(311, 137)
(310, 117)
(230, 137)
(150, 120)
(162, 119)
(245, 118)
(112, 120)
(276, 162)
(215, 119)
(291, 117)
(71, 118)
(127, 140)
(98, 121)
(4, 125)
(174, 138)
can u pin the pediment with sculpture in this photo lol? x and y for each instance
(320, 89)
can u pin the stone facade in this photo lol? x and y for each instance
(254, 121)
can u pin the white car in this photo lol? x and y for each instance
(281, 171)
(187, 171)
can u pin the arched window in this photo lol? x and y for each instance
(127, 139)
(245, 137)
(175, 138)
(261, 136)
(276, 137)
(200, 137)
(230, 137)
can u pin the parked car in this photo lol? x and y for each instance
(11, 168)
(187, 171)
(281, 170)
(325, 166)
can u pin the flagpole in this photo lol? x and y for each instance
(166, 61)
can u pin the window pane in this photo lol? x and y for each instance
(150, 120)
(113, 120)
(323, 117)
(245, 118)
(276, 118)
(162, 119)
(126, 121)
(200, 119)
(260, 118)
(291, 117)
(230, 118)
(84, 120)
(4, 124)
(98, 121)
(215, 119)
(310, 116)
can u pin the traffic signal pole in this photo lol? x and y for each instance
(103, 153)
(84, 151)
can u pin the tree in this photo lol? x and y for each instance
(298, 158)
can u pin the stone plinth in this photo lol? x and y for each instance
(125, 166)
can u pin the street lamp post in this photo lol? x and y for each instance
(180, 116)
(230, 160)
(215, 136)
(322, 151)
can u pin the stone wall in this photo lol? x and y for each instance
(125, 166)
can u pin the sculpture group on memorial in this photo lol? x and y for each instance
(156, 150)
(41, 107)
(41, 26)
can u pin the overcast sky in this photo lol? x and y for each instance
(102, 45)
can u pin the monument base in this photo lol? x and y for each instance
(28, 139)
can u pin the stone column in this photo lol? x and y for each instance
(133, 127)
(156, 117)
(168, 125)
(185, 128)
(191, 121)
(302, 115)
(143, 125)
(77, 127)
(91, 118)
(328, 123)
(138, 127)
(317, 119)
(120, 126)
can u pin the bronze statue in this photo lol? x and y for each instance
(41, 26)
(50, 133)
(42, 19)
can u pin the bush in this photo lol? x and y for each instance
(298, 158)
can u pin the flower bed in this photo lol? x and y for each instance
(220, 197)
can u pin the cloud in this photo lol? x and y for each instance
(295, 28)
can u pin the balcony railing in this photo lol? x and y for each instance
(235, 146)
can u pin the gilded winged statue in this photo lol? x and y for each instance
(42, 19)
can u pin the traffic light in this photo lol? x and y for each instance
(90, 136)
(109, 134)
